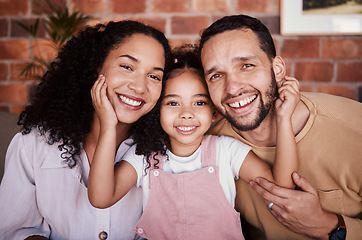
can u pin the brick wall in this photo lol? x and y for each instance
(330, 64)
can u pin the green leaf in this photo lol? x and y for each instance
(60, 25)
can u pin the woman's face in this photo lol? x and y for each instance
(134, 72)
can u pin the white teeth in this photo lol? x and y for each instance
(186, 128)
(130, 101)
(242, 102)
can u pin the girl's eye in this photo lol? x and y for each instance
(200, 103)
(172, 104)
(126, 67)
(155, 77)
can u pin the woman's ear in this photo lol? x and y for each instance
(279, 68)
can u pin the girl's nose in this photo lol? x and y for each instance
(186, 113)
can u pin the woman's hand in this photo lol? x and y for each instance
(101, 103)
(289, 98)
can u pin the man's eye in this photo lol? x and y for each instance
(215, 76)
(248, 65)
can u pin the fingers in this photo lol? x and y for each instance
(291, 85)
(275, 197)
(293, 82)
(288, 87)
(304, 184)
(98, 90)
(289, 97)
(286, 92)
(270, 190)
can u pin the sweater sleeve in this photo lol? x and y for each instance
(354, 228)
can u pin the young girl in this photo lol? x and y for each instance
(187, 178)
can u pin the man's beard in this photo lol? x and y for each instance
(263, 109)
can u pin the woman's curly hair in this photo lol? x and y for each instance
(61, 108)
(151, 139)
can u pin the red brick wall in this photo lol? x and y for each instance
(331, 64)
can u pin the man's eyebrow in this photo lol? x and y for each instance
(136, 60)
(243, 59)
(234, 60)
(211, 70)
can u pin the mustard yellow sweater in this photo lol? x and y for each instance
(330, 158)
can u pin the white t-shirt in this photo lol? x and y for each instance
(230, 155)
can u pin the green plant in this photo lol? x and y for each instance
(60, 25)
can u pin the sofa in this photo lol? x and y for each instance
(8, 128)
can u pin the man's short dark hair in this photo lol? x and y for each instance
(236, 22)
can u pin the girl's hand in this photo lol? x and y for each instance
(101, 103)
(289, 97)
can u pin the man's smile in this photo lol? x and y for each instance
(242, 102)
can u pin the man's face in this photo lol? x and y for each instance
(240, 77)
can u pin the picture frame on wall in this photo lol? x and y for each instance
(321, 17)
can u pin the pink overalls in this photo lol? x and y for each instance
(189, 205)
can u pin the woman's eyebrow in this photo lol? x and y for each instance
(136, 60)
(130, 57)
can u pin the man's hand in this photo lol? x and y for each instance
(299, 211)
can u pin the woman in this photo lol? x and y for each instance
(43, 193)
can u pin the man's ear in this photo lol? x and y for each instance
(279, 68)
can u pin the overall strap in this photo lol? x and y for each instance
(208, 150)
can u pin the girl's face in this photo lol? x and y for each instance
(186, 112)
(134, 72)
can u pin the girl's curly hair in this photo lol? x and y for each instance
(61, 108)
(151, 139)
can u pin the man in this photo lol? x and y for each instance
(242, 72)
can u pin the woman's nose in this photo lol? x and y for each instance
(139, 84)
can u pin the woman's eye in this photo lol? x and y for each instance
(126, 67)
(155, 77)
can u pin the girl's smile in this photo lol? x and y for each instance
(186, 112)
